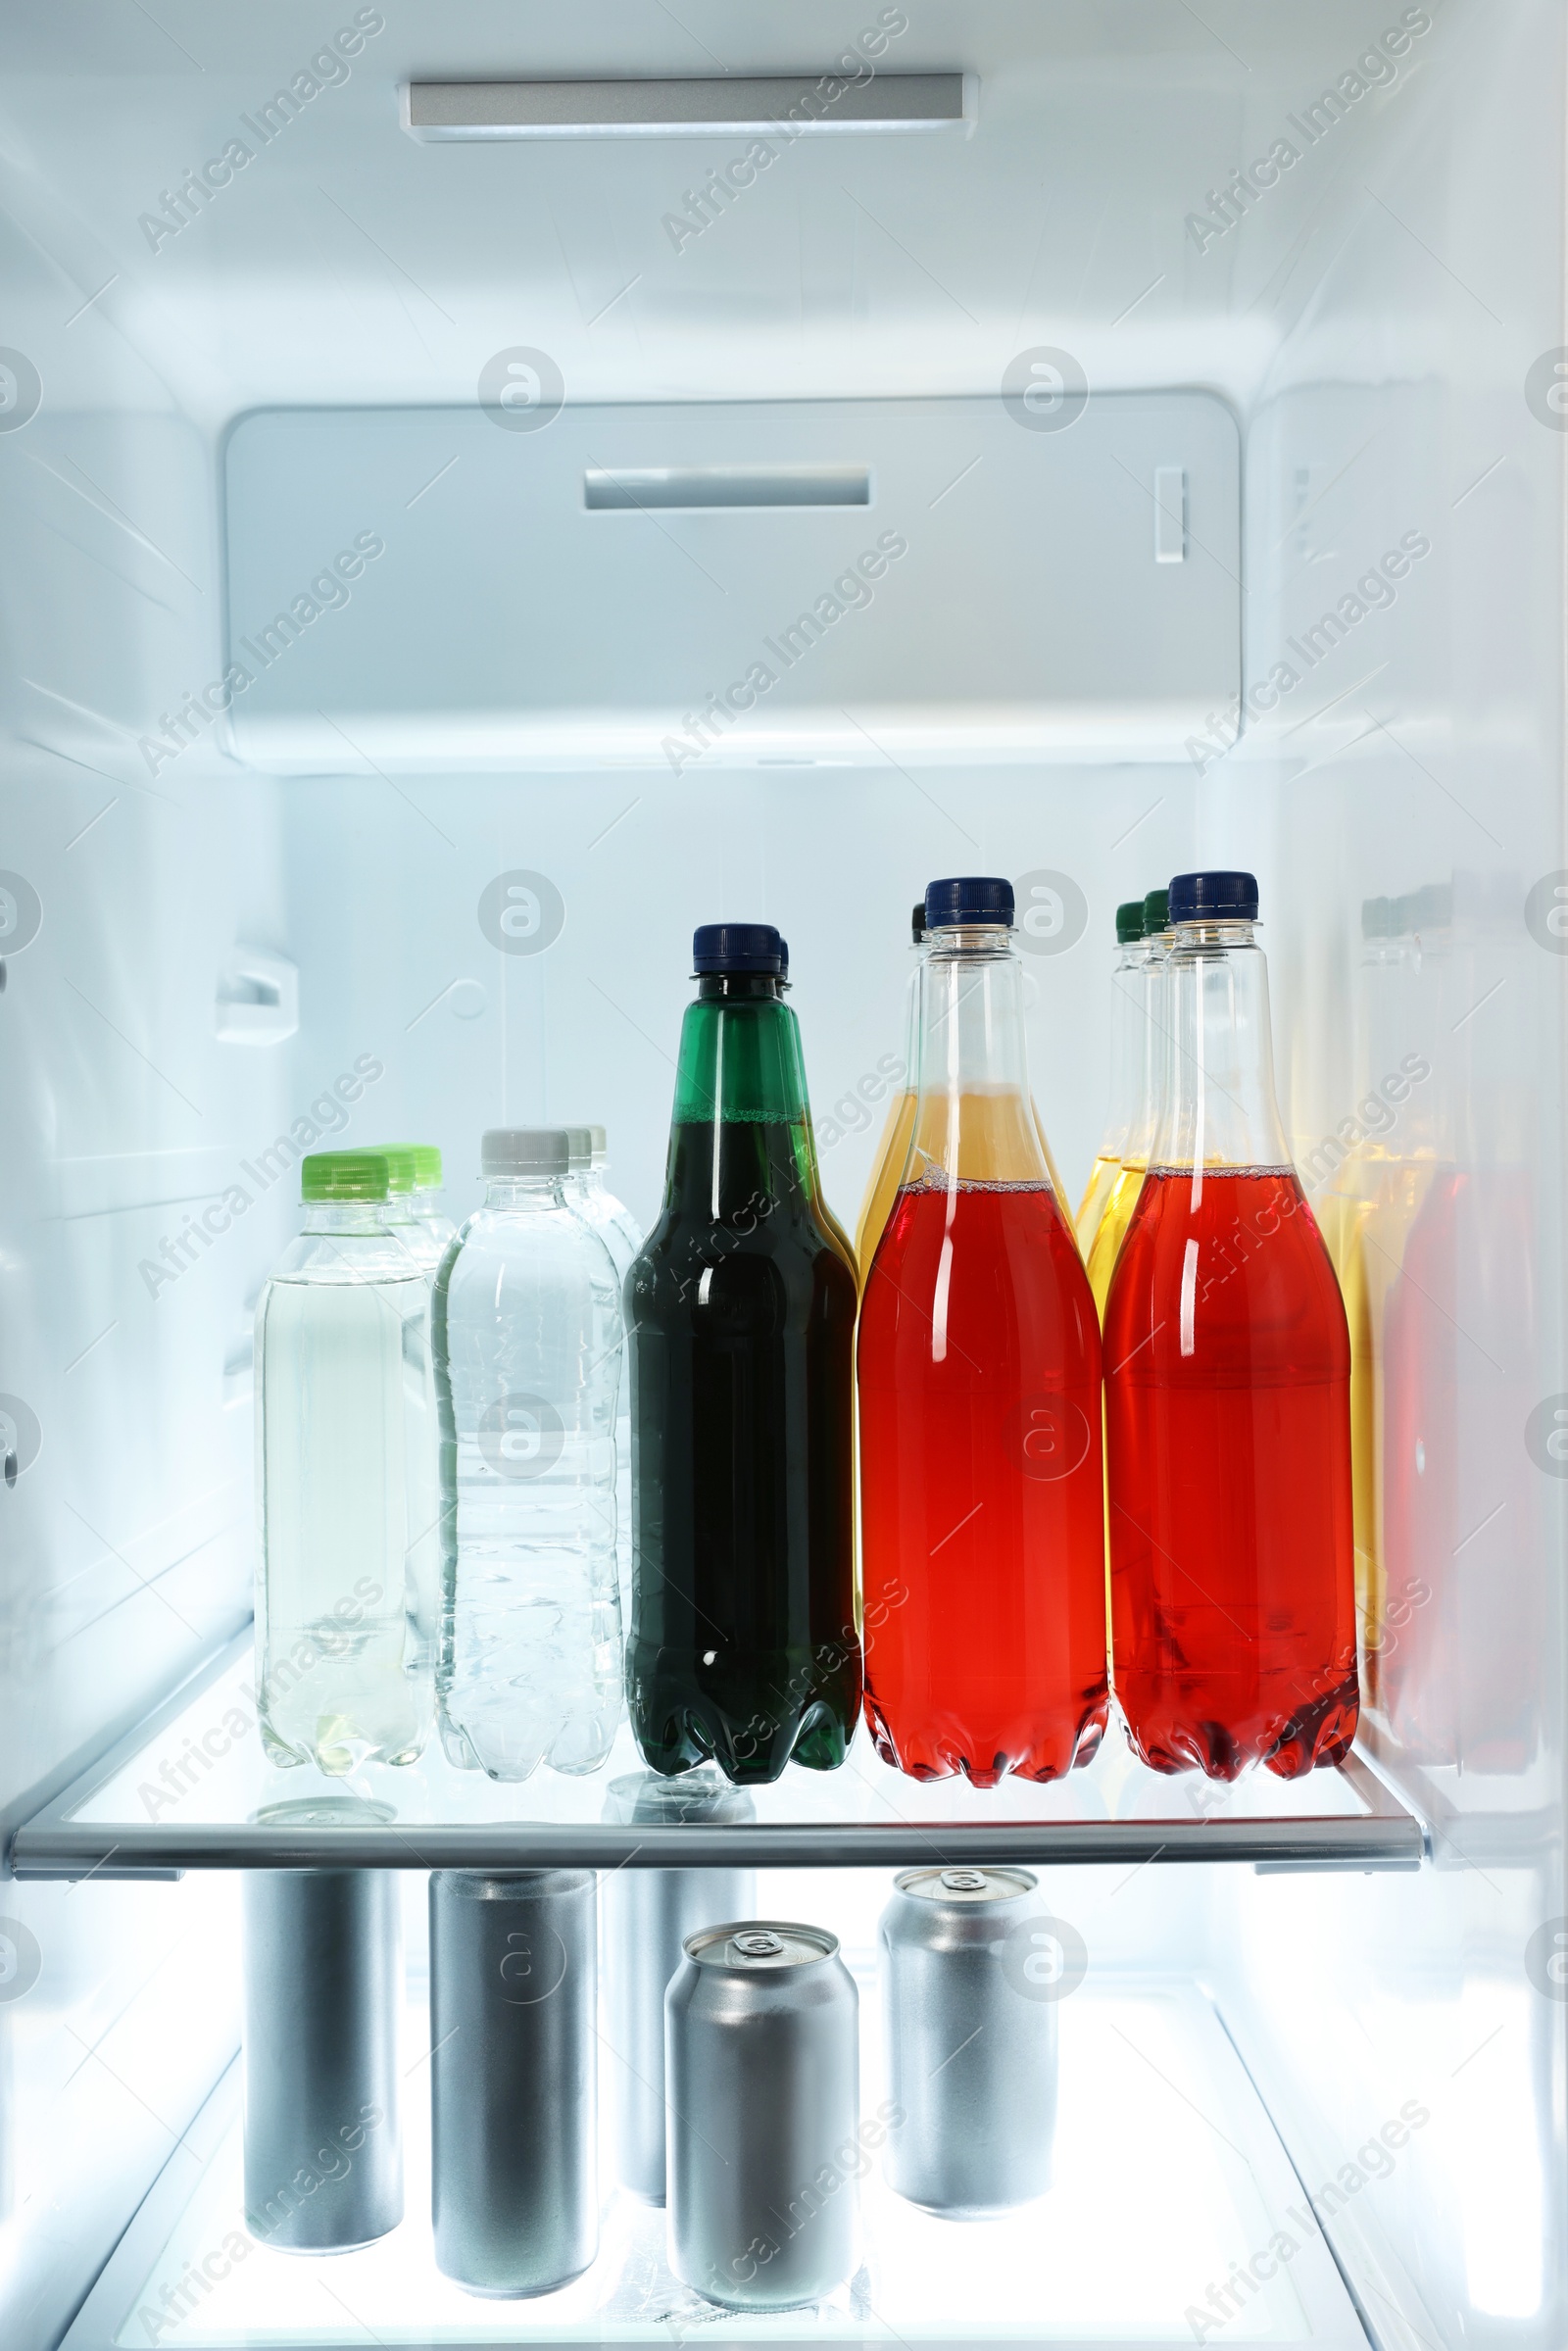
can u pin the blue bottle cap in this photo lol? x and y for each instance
(968, 898)
(738, 946)
(1214, 898)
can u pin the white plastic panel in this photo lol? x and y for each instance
(452, 587)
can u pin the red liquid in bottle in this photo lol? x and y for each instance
(981, 1545)
(1228, 1421)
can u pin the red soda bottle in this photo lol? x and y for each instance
(982, 1513)
(1227, 1398)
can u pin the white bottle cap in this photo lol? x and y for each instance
(525, 1152)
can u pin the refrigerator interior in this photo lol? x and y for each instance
(215, 914)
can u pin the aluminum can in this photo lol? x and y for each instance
(647, 1916)
(513, 1976)
(971, 2041)
(761, 2067)
(323, 1978)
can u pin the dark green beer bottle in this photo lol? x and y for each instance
(741, 1316)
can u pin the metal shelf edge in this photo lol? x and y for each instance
(76, 1849)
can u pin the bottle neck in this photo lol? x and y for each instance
(973, 1121)
(525, 1192)
(1220, 1109)
(739, 1054)
(1152, 1048)
(363, 1216)
(1128, 1040)
(741, 1133)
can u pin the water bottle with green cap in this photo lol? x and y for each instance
(413, 1201)
(342, 1377)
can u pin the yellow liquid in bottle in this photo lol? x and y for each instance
(894, 1150)
(882, 1190)
(1343, 1221)
(1111, 1231)
(1086, 1224)
(1365, 1222)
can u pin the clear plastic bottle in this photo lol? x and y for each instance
(1228, 1400)
(1151, 1063)
(744, 1642)
(413, 1201)
(1351, 1210)
(598, 1205)
(528, 1346)
(893, 1148)
(343, 1628)
(608, 1216)
(413, 1220)
(1126, 1071)
(982, 1525)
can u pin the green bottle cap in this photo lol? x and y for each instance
(329, 1176)
(1156, 914)
(1130, 922)
(412, 1166)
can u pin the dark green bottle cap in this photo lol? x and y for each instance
(1130, 922)
(1156, 914)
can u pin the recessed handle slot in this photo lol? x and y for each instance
(640, 487)
(639, 107)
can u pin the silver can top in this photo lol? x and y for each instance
(966, 1886)
(643, 1800)
(756, 1946)
(326, 1812)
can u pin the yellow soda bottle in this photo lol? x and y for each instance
(1126, 1071)
(1146, 991)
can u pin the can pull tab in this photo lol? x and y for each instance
(758, 1945)
(964, 1881)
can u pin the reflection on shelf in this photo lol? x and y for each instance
(1167, 2175)
(191, 1790)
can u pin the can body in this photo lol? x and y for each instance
(512, 1982)
(647, 1916)
(761, 2068)
(323, 1976)
(971, 2039)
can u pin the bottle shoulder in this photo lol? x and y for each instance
(692, 1269)
(1233, 1281)
(504, 1257)
(345, 1259)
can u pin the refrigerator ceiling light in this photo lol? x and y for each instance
(797, 103)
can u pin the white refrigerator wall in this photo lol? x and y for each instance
(1371, 317)
(1423, 745)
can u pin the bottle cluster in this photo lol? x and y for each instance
(516, 1477)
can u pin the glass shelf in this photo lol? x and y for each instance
(191, 1790)
(1167, 2175)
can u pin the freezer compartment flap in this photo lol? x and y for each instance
(1050, 572)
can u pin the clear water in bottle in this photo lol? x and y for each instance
(413, 1210)
(343, 1620)
(618, 1229)
(528, 1345)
